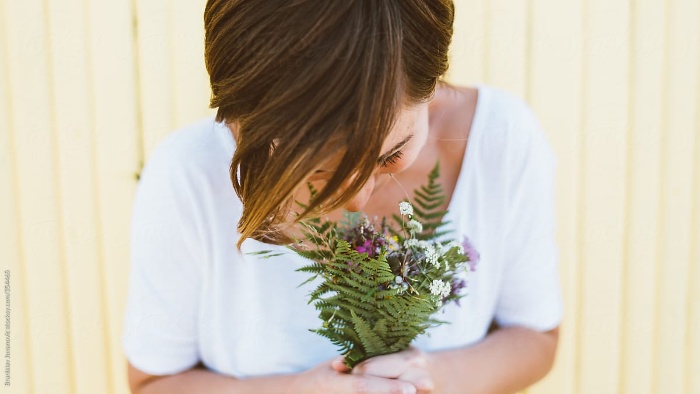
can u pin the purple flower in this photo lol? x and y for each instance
(366, 247)
(457, 285)
(471, 253)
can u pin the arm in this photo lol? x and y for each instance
(320, 379)
(506, 361)
(201, 380)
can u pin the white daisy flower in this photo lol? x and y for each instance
(435, 287)
(446, 289)
(406, 208)
(410, 242)
(440, 288)
(422, 244)
(432, 256)
(414, 226)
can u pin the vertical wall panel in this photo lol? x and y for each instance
(505, 62)
(10, 237)
(604, 121)
(190, 79)
(39, 197)
(693, 349)
(468, 47)
(646, 100)
(680, 115)
(72, 107)
(116, 154)
(156, 90)
(555, 95)
(692, 355)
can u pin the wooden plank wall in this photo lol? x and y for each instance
(88, 88)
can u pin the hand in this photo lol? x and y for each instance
(326, 378)
(411, 365)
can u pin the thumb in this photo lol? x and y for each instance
(338, 364)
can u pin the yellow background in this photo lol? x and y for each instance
(88, 87)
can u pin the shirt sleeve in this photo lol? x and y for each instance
(160, 328)
(530, 294)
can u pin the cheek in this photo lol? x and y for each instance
(408, 158)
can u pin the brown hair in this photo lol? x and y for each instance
(305, 80)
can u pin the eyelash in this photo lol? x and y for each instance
(392, 159)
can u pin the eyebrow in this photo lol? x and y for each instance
(393, 150)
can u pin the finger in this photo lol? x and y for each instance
(420, 379)
(374, 385)
(386, 366)
(391, 368)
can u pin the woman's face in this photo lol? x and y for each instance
(400, 150)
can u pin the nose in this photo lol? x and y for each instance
(360, 200)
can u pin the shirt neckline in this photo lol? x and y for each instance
(474, 130)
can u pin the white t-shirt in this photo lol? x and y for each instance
(193, 297)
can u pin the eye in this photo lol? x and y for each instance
(319, 175)
(395, 157)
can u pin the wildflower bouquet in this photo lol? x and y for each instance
(381, 285)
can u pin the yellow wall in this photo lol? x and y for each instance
(88, 87)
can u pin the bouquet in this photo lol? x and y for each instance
(382, 284)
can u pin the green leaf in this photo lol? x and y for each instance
(311, 279)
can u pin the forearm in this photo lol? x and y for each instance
(505, 362)
(200, 380)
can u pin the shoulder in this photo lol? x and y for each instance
(507, 115)
(192, 149)
(510, 128)
(184, 186)
(187, 171)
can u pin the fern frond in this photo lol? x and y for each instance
(363, 301)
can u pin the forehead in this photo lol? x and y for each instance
(403, 127)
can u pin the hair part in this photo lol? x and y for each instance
(304, 80)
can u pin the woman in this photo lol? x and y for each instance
(345, 95)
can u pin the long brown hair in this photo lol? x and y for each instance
(305, 80)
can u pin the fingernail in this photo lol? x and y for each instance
(409, 390)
